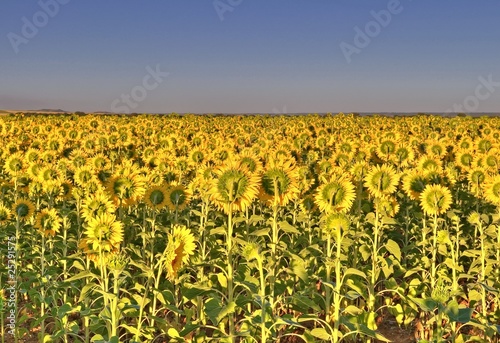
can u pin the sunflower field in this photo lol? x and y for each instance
(210, 228)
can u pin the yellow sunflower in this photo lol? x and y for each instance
(491, 190)
(181, 244)
(96, 204)
(104, 233)
(435, 199)
(5, 214)
(177, 197)
(14, 164)
(234, 187)
(156, 197)
(279, 183)
(48, 222)
(336, 224)
(414, 183)
(127, 185)
(23, 209)
(336, 195)
(381, 180)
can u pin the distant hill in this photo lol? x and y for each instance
(51, 111)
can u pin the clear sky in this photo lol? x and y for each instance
(240, 56)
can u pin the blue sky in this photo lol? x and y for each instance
(263, 56)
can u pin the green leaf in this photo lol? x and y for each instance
(353, 271)
(191, 292)
(427, 304)
(456, 314)
(80, 275)
(61, 311)
(227, 310)
(394, 249)
(212, 309)
(288, 228)
(320, 333)
(299, 268)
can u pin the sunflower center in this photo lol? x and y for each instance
(157, 197)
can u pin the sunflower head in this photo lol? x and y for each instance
(177, 197)
(23, 209)
(156, 197)
(336, 195)
(435, 199)
(104, 233)
(180, 246)
(233, 188)
(279, 183)
(5, 214)
(336, 224)
(381, 180)
(48, 222)
(491, 190)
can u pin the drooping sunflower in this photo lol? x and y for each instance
(279, 183)
(234, 187)
(48, 222)
(435, 199)
(381, 180)
(23, 209)
(179, 247)
(156, 197)
(491, 190)
(336, 195)
(104, 233)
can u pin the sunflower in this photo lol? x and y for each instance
(177, 197)
(307, 204)
(179, 247)
(5, 214)
(104, 233)
(14, 164)
(233, 187)
(23, 209)
(83, 175)
(335, 224)
(476, 177)
(414, 183)
(48, 222)
(463, 159)
(491, 190)
(156, 197)
(127, 185)
(435, 199)
(387, 206)
(381, 180)
(279, 183)
(96, 204)
(336, 195)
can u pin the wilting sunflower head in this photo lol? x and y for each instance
(381, 180)
(23, 209)
(48, 222)
(491, 190)
(435, 199)
(156, 197)
(335, 224)
(233, 187)
(104, 233)
(279, 183)
(180, 246)
(336, 195)
(5, 214)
